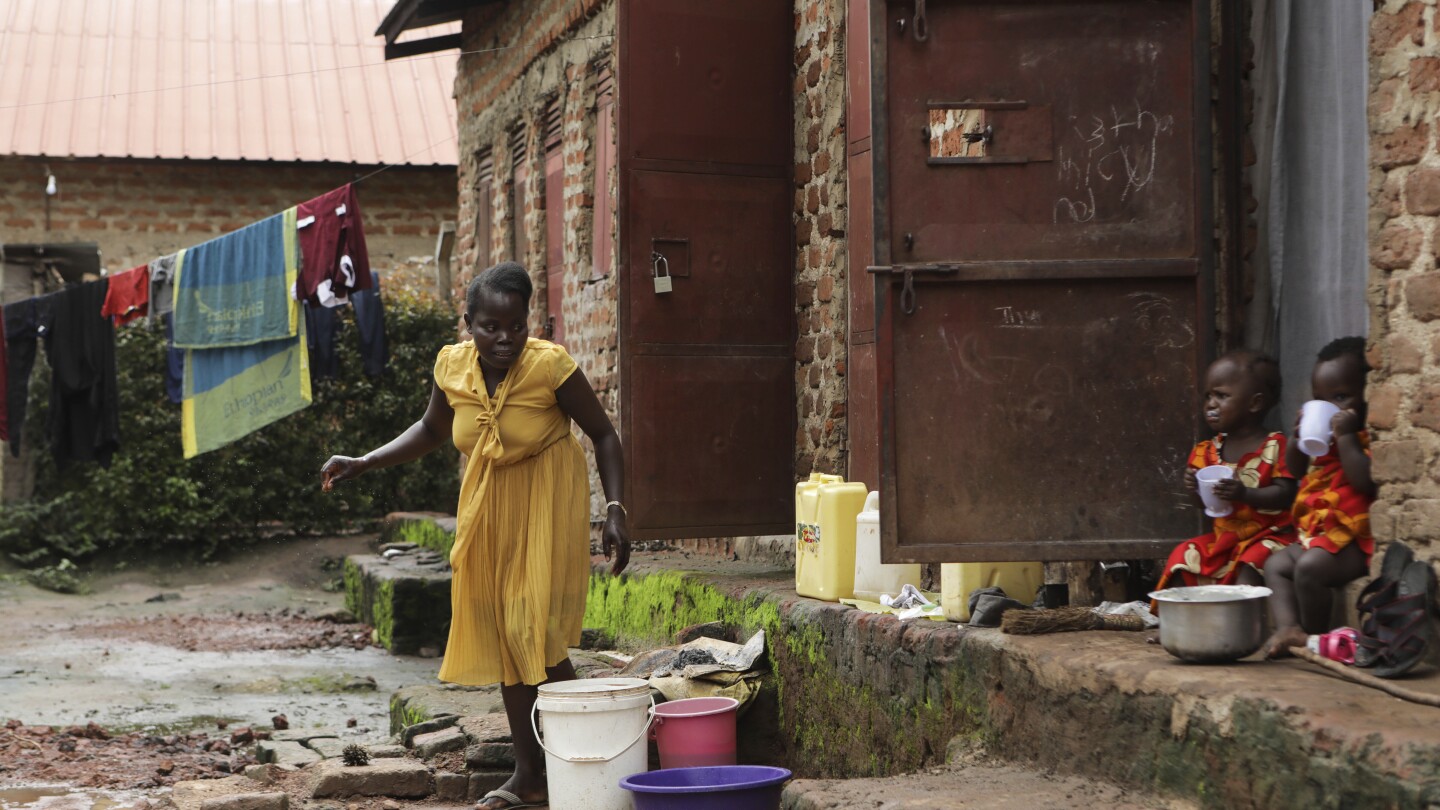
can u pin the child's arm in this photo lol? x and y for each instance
(1353, 458)
(1277, 495)
(1295, 458)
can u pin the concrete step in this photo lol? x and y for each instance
(866, 695)
(405, 597)
(432, 530)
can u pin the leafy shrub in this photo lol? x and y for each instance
(153, 501)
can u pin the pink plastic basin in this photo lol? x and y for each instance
(695, 732)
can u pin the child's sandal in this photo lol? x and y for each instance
(1339, 645)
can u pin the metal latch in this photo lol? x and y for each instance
(907, 273)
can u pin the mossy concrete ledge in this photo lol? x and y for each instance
(407, 601)
(867, 695)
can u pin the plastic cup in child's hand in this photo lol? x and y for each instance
(1215, 506)
(1315, 418)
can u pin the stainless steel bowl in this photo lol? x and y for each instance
(1211, 624)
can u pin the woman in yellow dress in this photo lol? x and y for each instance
(521, 558)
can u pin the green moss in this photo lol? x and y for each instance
(355, 592)
(402, 715)
(383, 613)
(425, 533)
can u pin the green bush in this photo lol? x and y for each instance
(151, 501)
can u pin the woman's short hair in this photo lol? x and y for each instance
(505, 278)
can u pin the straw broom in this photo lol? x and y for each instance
(1064, 620)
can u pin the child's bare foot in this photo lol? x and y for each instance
(1279, 644)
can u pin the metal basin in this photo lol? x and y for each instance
(1211, 624)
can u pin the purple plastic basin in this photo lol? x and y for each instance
(723, 787)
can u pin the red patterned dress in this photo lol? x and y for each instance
(1328, 512)
(1246, 536)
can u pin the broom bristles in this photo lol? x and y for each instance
(1064, 620)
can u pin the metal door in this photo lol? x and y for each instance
(708, 382)
(1044, 303)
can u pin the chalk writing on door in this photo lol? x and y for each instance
(1106, 159)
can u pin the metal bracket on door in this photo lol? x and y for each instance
(907, 273)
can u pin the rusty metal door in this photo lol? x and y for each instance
(1044, 301)
(705, 266)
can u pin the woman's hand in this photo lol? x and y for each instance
(341, 468)
(615, 539)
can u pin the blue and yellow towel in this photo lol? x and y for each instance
(232, 392)
(235, 290)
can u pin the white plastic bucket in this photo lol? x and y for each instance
(594, 736)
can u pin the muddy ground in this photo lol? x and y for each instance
(155, 675)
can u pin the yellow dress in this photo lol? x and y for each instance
(522, 536)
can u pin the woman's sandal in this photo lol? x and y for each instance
(1414, 639)
(512, 802)
(1377, 606)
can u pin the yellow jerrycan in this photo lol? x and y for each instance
(1019, 580)
(825, 510)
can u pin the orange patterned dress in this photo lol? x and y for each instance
(1328, 512)
(1246, 536)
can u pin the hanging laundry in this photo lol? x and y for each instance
(245, 361)
(323, 326)
(234, 391)
(4, 410)
(162, 285)
(174, 363)
(335, 262)
(322, 329)
(84, 394)
(235, 290)
(370, 318)
(26, 322)
(129, 295)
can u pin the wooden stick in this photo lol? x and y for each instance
(1366, 679)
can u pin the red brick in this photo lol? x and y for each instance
(1388, 30)
(1422, 294)
(1404, 357)
(1404, 146)
(1384, 400)
(1425, 412)
(1396, 461)
(825, 288)
(1424, 74)
(1382, 98)
(1395, 246)
(1422, 190)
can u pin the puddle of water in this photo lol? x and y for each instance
(52, 797)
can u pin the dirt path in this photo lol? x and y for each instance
(168, 663)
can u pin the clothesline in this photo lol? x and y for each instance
(233, 309)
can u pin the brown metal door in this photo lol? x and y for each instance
(708, 386)
(555, 244)
(1045, 301)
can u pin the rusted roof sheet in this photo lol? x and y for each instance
(284, 80)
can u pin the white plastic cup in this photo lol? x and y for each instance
(1208, 477)
(1315, 417)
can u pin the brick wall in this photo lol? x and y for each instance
(1404, 389)
(821, 257)
(137, 210)
(557, 51)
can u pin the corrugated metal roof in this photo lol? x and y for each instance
(285, 80)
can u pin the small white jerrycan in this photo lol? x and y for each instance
(872, 577)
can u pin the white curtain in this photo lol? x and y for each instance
(1311, 139)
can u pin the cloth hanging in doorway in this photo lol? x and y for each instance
(84, 393)
(235, 290)
(129, 296)
(26, 322)
(1311, 136)
(334, 259)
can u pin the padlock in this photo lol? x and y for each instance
(661, 272)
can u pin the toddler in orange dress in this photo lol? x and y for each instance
(1240, 389)
(1332, 511)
